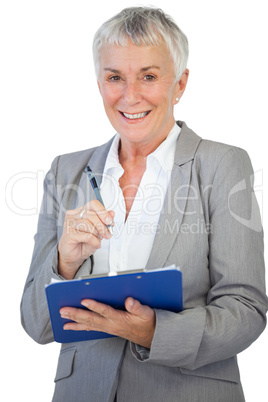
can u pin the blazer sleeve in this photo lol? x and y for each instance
(235, 313)
(44, 265)
(34, 311)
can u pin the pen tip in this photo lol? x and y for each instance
(88, 169)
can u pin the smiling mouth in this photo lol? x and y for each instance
(135, 116)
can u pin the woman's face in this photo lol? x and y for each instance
(138, 87)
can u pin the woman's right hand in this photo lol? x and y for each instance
(82, 236)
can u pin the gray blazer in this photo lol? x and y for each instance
(210, 227)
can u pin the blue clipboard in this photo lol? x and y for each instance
(160, 289)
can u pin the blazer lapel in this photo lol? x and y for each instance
(96, 163)
(98, 159)
(176, 197)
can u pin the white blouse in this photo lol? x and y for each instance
(132, 240)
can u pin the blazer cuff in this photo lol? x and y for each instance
(53, 259)
(176, 340)
(139, 352)
(84, 270)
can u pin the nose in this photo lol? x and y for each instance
(132, 94)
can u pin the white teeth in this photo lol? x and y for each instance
(135, 116)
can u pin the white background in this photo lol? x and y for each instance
(50, 105)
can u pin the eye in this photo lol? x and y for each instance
(114, 78)
(149, 77)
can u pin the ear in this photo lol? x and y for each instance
(180, 86)
(99, 86)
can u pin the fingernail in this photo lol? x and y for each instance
(108, 221)
(131, 303)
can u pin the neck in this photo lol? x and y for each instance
(133, 154)
(137, 152)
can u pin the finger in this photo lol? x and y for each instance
(94, 205)
(93, 218)
(83, 225)
(77, 327)
(100, 308)
(103, 214)
(78, 315)
(89, 223)
(87, 242)
(82, 319)
(107, 319)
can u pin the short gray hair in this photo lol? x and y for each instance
(145, 26)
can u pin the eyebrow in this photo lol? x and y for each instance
(150, 68)
(143, 69)
(112, 70)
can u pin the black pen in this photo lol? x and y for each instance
(95, 185)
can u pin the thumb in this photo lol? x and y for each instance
(135, 307)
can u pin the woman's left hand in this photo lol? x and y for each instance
(137, 323)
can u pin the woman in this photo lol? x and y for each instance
(172, 198)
